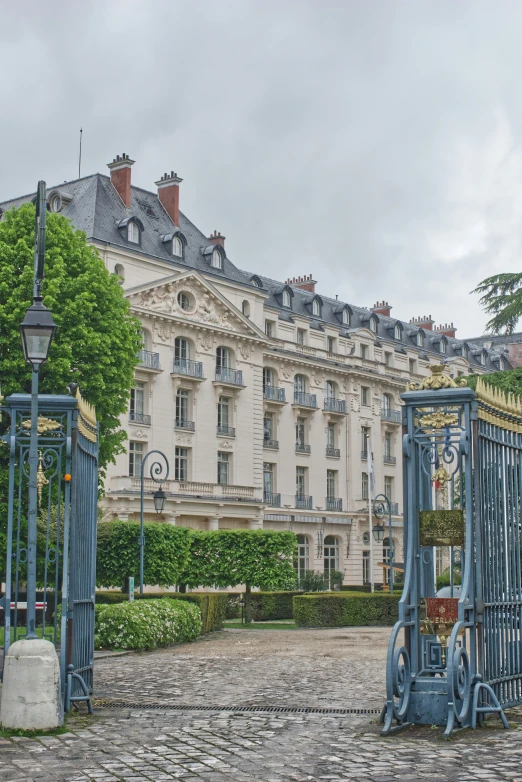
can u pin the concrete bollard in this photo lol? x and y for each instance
(31, 689)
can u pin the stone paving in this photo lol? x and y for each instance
(214, 745)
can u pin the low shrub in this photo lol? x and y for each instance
(146, 624)
(213, 605)
(269, 606)
(339, 609)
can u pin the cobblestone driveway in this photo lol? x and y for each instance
(134, 744)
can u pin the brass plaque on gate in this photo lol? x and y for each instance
(441, 527)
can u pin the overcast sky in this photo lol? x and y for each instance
(376, 144)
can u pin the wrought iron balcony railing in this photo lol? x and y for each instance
(305, 400)
(139, 418)
(334, 452)
(303, 501)
(302, 448)
(148, 359)
(229, 431)
(268, 443)
(334, 503)
(182, 423)
(334, 405)
(389, 459)
(272, 499)
(274, 393)
(184, 366)
(395, 416)
(232, 376)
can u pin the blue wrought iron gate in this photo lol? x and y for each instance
(453, 658)
(66, 541)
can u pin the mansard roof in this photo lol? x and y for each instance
(96, 208)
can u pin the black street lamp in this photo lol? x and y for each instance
(37, 330)
(159, 500)
(381, 509)
(378, 533)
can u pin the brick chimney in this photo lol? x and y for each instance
(423, 322)
(382, 308)
(306, 283)
(120, 169)
(448, 330)
(216, 238)
(168, 194)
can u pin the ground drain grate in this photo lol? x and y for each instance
(242, 709)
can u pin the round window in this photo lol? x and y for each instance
(56, 203)
(184, 300)
(366, 538)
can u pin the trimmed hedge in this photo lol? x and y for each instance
(146, 624)
(266, 606)
(346, 610)
(212, 605)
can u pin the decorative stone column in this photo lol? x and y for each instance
(213, 524)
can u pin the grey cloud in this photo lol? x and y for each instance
(375, 144)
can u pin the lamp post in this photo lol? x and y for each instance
(156, 473)
(382, 508)
(36, 330)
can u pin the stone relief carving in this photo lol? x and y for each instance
(286, 370)
(139, 433)
(225, 444)
(162, 332)
(355, 403)
(184, 438)
(206, 342)
(205, 308)
(244, 349)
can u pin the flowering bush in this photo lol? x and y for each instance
(146, 624)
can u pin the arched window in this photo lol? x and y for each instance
(299, 384)
(55, 204)
(398, 331)
(330, 389)
(268, 377)
(331, 556)
(303, 555)
(420, 339)
(483, 357)
(119, 271)
(373, 325)
(286, 299)
(145, 336)
(133, 232)
(255, 280)
(346, 317)
(223, 358)
(443, 346)
(245, 308)
(316, 307)
(216, 259)
(177, 247)
(181, 348)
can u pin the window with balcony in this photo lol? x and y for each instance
(269, 328)
(388, 487)
(223, 358)
(300, 436)
(301, 337)
(224, 416)
(364, 486)
(137, 404)
(303, 555)
(135, 458)
(181, 348)
(364, 351)
(329, 389)
(299, 384)
(182, 420)
(365, 439)
(365, 396)
(300, 482)
(223, 468)
(331, 345)
(268, 378)
(268, 480)
(269, 433)
(386, 402)
(331, 450)
(331, 556)
(387, 446)
(181, 464)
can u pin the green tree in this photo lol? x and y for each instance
(501, 297)
(97, 339)
(509, 380)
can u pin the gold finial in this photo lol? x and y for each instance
(436, 381)
(498, 407)
(86, 418)
(41, 480)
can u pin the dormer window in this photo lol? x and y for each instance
(373, 324)
(420, 339)
(216, 260)
(177, 247)
(286, 299)
(316, 307)
(255, 280)
(55, 203)
(442, 346)
(398, 331)
(133, 232)
(346, 317)
(483, 356)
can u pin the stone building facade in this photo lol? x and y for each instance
(264, 395)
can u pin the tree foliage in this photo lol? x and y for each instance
(501, 297)
(97, 339)
(509, 380)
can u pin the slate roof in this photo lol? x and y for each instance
(96, 208)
